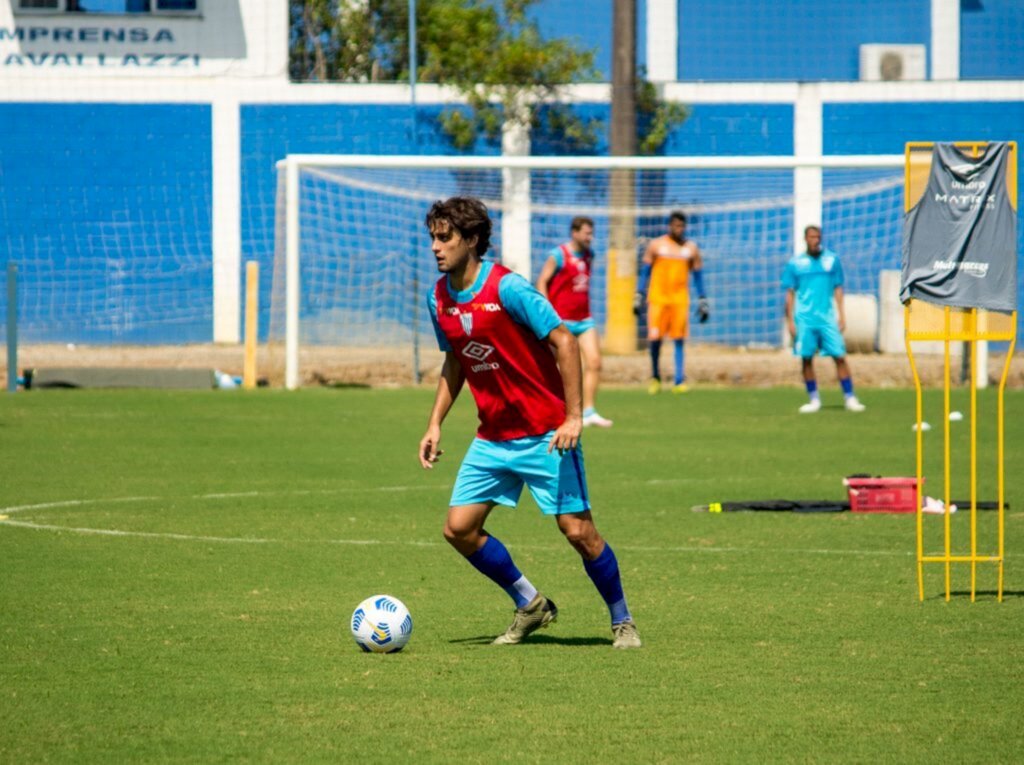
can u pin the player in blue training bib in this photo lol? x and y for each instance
(813, 281)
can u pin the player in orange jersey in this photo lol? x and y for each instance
(664, 285)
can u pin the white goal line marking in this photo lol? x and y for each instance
(5, 521)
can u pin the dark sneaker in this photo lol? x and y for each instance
(539, 612)
(626, 635)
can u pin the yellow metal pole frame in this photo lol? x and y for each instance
(999, 456)
(918, 432)
(922, 323)
(946, 478)
(973, 320)
(970, 327)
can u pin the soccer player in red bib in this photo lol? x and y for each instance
(565, 281)
(498, 334)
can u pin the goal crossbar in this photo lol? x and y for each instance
(765, 162)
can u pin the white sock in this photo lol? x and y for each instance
(524, 590)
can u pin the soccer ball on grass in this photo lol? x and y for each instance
(381, 624)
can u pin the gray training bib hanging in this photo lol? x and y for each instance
(960, 239)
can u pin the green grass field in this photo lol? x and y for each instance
(178, 571)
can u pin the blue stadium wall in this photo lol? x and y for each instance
(81, 210)
(802, 40)
(87, 203)
(93, 203)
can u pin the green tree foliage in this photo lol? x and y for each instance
(491, 53)
(349, 40)
(498, 61)
(655, 117)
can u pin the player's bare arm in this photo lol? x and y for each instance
(546, 274)
(448, 387)
(790, 324)
(567, 356)
(840, 310)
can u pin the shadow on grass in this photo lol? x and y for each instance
(978, 594)
(537, 640)
(345, 385)
(325, 382)
(986, 594)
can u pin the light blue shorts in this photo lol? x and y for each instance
(495, 471)
(825, 338)
(579, 327)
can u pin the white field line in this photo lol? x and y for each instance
(4, 521)
(119, 533)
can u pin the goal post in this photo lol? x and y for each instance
(351, 247)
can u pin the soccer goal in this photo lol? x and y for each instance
(353, 265)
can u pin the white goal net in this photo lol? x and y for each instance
(353, 264)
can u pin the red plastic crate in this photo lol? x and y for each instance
(882, 495)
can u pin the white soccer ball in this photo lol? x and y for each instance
(381, 624)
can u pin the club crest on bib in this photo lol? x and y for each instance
(467, 323)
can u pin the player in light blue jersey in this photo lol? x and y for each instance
(813, 282)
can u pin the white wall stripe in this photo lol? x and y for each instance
(227, 219)
(945, 48)
(662, 42)
(807, 142)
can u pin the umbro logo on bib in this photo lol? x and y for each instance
(479, 353)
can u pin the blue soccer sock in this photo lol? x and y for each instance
(680, 347)
(493, 561)
(604, 572)
(847, 385)
(655, 348)
(812, 389)
(589, 411)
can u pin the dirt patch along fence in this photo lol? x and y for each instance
(706, 365)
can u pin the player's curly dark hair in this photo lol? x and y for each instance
(579, 222)
(467, 215)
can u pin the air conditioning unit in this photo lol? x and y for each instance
(879, 62)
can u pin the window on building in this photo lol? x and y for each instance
(120, 7)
